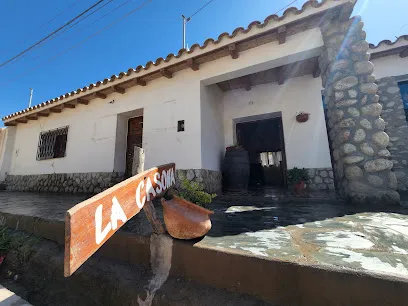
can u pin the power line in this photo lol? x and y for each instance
(90, 24)
(70, 6)
(63, 31)
(83, 40)
(285, 7)
(51, 34)
(200, 9)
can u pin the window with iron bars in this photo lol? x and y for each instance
(52, 144)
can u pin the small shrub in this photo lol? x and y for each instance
(295, 175)
(194, 192)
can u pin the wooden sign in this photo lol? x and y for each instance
(89, 224)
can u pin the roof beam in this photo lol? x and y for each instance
(32, 117)
(164, 72)
(138, 81)
(13, 123)
(21, 120)
(82, 101)
(280, 75)
(316, 71)
(68, 105)
(55, 110)
(192, 64)
(232, 48)
(282, 34)
(247, 82)
(99, 94)
(119, 89)
(404, 53)
(43, 114)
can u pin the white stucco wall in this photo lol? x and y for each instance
(7, 138)
(306, 143)
(93, 144)
(92, 131)
(212, 131)
(392, 65)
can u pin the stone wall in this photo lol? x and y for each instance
(64, 182)
(361, 159)
(396, 127)
(211, 180)
(321, 179)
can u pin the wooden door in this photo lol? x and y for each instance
(284, 165)
(134, 138)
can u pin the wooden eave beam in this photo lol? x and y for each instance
(138, 81)
(316, 71)
(404, 53)
(43, 114)
(21, 120)
(282, 34)
(247, 83)
(32, 117)
(164, 72)
(232, 48)
(119, 89)
(192, 64)
(56, 110)
(99, 94)
(68, 105)
(12, 123)
(82, 101)
(280, 75)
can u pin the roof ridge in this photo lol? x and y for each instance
(291, 10)
(389, 42)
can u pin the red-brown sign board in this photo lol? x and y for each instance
(88, 225)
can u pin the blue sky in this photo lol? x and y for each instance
(149, 33)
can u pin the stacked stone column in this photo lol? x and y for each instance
(396, 127)
(362, 164)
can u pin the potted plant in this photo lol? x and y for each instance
(297, 178)
(184, 214)
(302, 117)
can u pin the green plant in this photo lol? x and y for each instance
(296, 175)
(194, 192)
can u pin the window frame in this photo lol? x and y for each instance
(47, 141)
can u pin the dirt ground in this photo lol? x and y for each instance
(33, 269)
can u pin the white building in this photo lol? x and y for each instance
(187, 109)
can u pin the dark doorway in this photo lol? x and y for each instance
(134, 138)
(264, 141)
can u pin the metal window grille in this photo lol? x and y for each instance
(52, 144)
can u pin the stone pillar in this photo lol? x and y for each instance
(362, 166)
(396, 127)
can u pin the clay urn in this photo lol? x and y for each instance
(185, 220)
(302, 117)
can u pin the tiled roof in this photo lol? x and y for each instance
(193, 49)
(389, 42)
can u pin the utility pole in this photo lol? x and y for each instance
(185, 20)
(31, 97)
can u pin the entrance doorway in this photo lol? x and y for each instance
(134, 138)
(264, 141)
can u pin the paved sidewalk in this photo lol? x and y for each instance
(8, 298)
(325, 233)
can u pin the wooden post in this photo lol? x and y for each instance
(151, 215)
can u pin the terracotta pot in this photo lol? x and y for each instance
(302, 117)
(300, 187)
(185, 220)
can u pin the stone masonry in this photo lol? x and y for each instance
(64, 182)
(210, 179)
(361, 159)
(321, 179)
(396, 127)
